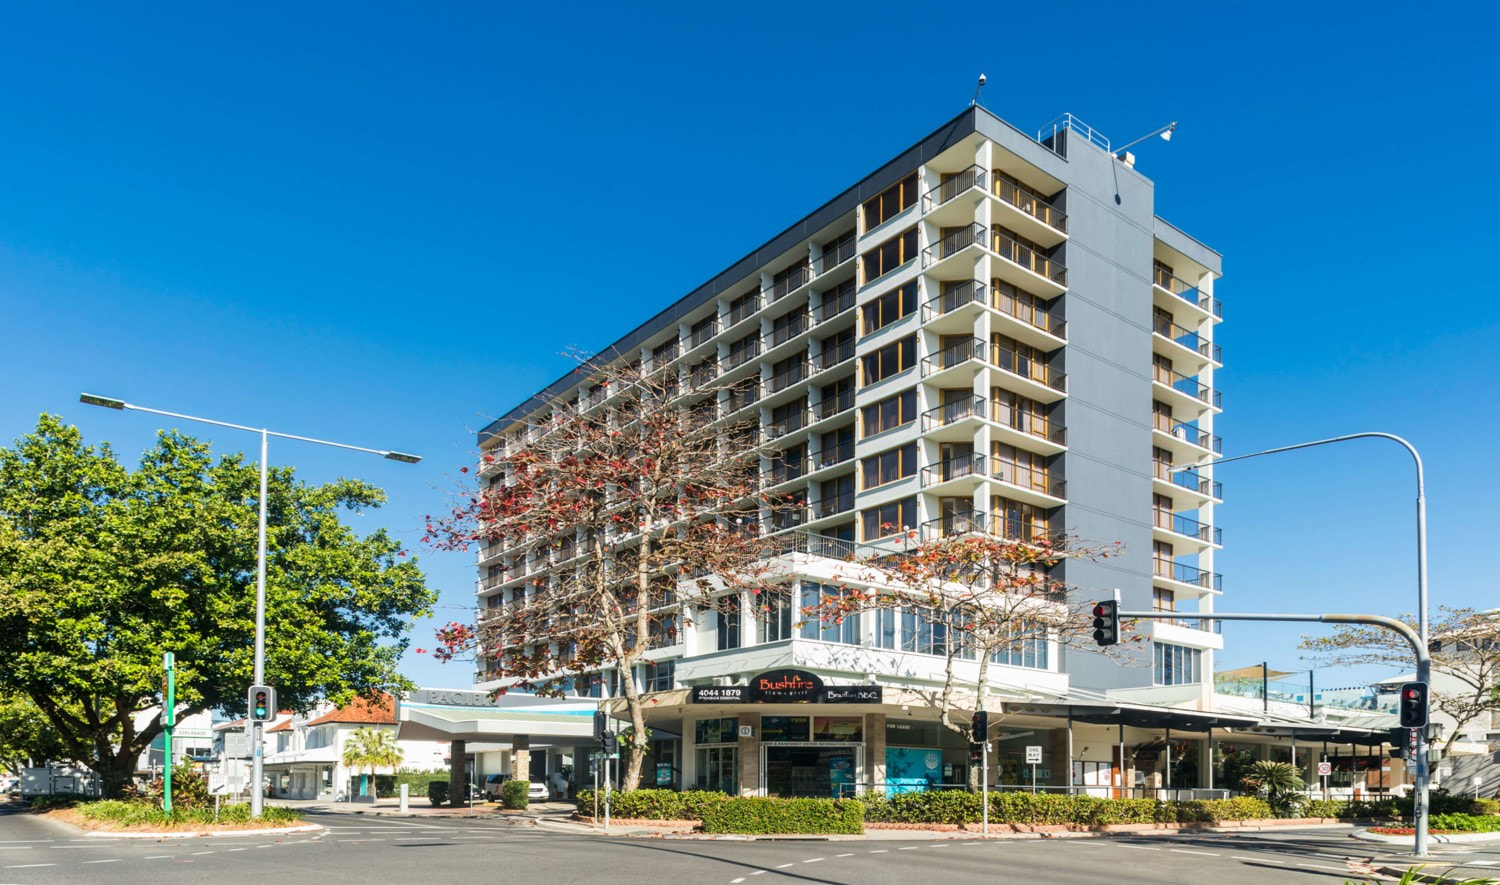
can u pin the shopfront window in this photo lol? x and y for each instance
(718, 769)
(839, 728)
(717, 731)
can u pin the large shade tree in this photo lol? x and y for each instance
(102, 569)
(631, 501)
(1465, 652)
(974, 594)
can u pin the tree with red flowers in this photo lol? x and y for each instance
(626, 505)
(971, 596)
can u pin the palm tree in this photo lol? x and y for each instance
(1279, 782)
(372, 748)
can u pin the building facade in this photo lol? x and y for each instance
(993, 332)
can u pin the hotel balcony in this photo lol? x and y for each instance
(1180, 291)
(704, 335)
(834, 406)
(834, 257)
(796, 279)
(793, 423)
(1019, 264)
(1175, 573)
(834, 307)
(1030, 377)
(741, 355)
(1184, 438)
(834, 506)
(1184, 392)
(1029, 213)
(951, 525)
(829, 357)
(1187, 489)
(797, 372)
(1022, 483)
(784, 332)
(956, 309)
(784, 470)
(743, 312)
(1181, 344)
(1176, 528)
(957, 421)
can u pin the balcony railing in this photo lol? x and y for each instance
(705, 334)
(1187, 574)
(742, 396)
(974, 176)
(702, 375)
(952, 413)
(1187, 292)
(961, 295)
(794, 280)
(953, 243)
(790, 424)
(954, 355)
(785, 470)
(789, 376)
(1189, 480)
(834, 506)
(744, 311)
(665, 355)
(1189, 339)
(1027, 367)
(789, 518)
(1035, 479)
(832, 307)
(834, 405)
(1013, 251)
(829, 357)
(836, 455)
(740, 355)
(963, 466)
(1013, 529)
(783, 332)
(1188, 433)
(1032, 203)
(834, 255)
(1188, 385)
(1186, 525)
(1029, 314)
(974, 292)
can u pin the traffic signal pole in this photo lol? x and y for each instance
(1424, 666)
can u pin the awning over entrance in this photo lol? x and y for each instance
(1136, 715)
(476, 716)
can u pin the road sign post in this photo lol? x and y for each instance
(168, 721)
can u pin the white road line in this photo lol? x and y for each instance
(27, 866)
(196, 853)
(14, 841)
(814, 859)
(1141, 847)
(1186, 851)
(909, 848)
(111, 860)
(156, 857)
(880, 851)
(236, 849)
(844, 855)
(1482, 863)
(736, 881)
(757, 872)
(784, 866)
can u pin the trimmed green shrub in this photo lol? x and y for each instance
(437, 792)
(514, 794)
(146, 813)
(1051, 809)
(652, 804)
(1487, 806)
(758, 815)
(1465, 823)
(416, 782)
(1325, 808)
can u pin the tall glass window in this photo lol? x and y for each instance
(773, 615)
(1176, 665)
(846, 631)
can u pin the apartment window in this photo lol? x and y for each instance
(836, 397)
(742, 350)
(836, 447)
(1020, 413)
(716, 769)
(892, 359)
(887, 467)
(789, 417)
(890, 307)
(1027, 648)
(1176, 665)
(1022, 305)
(1018, 520)
(889, 413)
(703, 330)
(661, 675)
(1020, 467)
(845, 631)
(788, 326)
(836, 251)
(773, 615)
(836, 301)
(836, 348)
(727, 625)
(743, 306)
(663, 354)
(924, 631)
(890, 202)
(889, 519)
(836, 495)
(890, 255)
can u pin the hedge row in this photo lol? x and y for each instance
(758, 815)
(1050, 809)
(654, 804)
(135, 813)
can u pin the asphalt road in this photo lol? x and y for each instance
(360, 850)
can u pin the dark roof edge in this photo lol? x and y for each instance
(1189, 245)
(939, 140)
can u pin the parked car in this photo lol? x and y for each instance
(492, 784)
(537, 791)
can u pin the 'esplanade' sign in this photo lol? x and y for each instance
(788, 686)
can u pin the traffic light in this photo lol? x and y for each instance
(1399, 737)
(979, 726)
(1414, 705)
(262, 703)
(1107, 622)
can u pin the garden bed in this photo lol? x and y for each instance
(110, 816)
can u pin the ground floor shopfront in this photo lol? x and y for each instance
(757, 748)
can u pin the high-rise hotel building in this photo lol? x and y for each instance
(992, 332)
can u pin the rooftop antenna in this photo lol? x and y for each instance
(975, 100)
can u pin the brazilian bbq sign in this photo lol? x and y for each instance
(787, 686)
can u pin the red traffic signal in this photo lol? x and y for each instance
(1413, 706)
(1107, 622)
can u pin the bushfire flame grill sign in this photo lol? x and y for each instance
(787, 686)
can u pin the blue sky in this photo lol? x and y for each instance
(335, 220)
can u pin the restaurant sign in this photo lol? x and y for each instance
(787, 686)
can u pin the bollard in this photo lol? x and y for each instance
(404, 790)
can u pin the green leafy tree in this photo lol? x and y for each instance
(372, 748)
(102, 569)
(24, 736)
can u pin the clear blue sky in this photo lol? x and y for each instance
(382, 224)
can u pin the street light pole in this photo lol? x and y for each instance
(257, 729)
(1424, 664)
